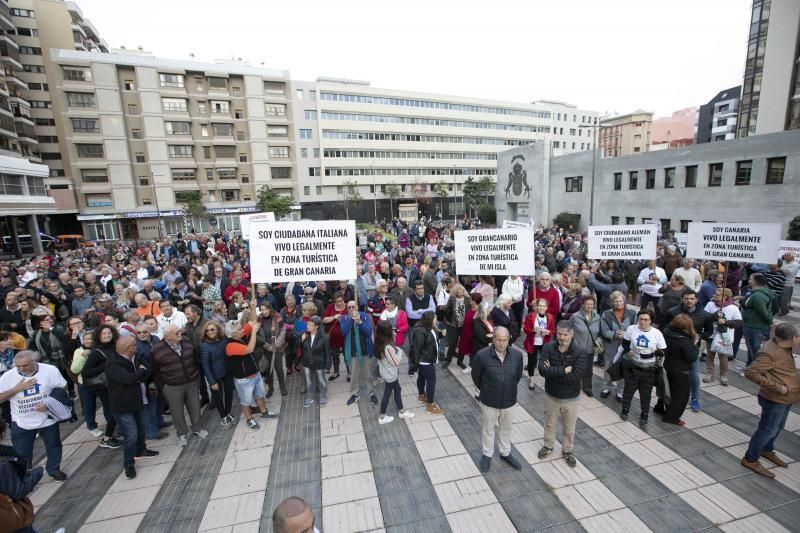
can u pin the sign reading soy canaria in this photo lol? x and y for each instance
(301, 251)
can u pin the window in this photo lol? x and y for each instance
(85, 125)
(279, 151)
(637, 149)
(298, 93)
(183, 174)
(204, 130)
(99, 200)
(314, 171)
(316, 152)
(638, 137)
(58, 173)
(722, 122)
(81, 100)
(615, 221)
(174, 104)
(241, 136)
(633, 180)
(201, 108)
(137, 134)
(220, 107)
(144, 181)
(617, 181)
(38, 86)
(133, 109)
(11, 184)
(217, 83)
(776, 167)
(715, 174)
(223, 130)
(226, 173)
(129, 85)
(230, 196)
(210, 174)
(178, 128)
(89, 150)
(574, 184)
(50, 156)
(304, 152)
(44, 121)
(30, 50)
(238, 114)
(743, 171)
(225, 152)
(572, 131)
(99, 175)
(236, 91)
(669, 178)
(181, 197)
(630, 220)
(170, 80)
(27, 13)
(277, 131)
(685, 226)
(33, 68)
(40, 104)
(305, 134)
(723, 107)
(206, 152)
(310, 114)
(307, 190)
(275, 110)
(319, 189)
(198, 81)
(242, 158)
(140, 158)
(650, 178)
(28, 32)
(245, 179)
(274, 87)
(691, 176)
(281, 173)
(180, 151)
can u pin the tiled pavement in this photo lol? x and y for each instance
(421, 475)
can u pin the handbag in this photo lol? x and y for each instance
(597, 344)
(96, 382)
(722, 342)
(15, 514)
(615, 369)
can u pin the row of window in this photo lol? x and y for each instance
(665, 223)
(100, 175)
(428, 104)
(363, 117)
(178, 81)
(390, 154)
(410, 171)
(410, 137)
(776, 168)
(15, 185)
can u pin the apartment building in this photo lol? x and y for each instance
(625, 134)
(716, 120)
(142, 133)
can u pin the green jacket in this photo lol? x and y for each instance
(757, 309)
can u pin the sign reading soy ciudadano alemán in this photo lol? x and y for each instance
(495, 252)
(623, 242)
(300, 251)
(723, 241)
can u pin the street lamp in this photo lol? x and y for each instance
(158, 210)
(594, 127)
(374, 190)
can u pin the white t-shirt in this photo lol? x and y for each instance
(23, 404)
(178, 318)
(644, 344)
(730, 312)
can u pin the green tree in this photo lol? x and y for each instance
(351, 197)
(477, 193)
(564, 220)
(794, 229)
(193, 204)
(488, 214)
(393, 192)
(269, 200)
(441, 190)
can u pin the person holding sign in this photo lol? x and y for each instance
(356, 329)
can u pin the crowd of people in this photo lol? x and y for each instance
(172, 326)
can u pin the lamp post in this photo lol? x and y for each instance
(455, 196)
(158, 210)
(374, 190)
(594, 127)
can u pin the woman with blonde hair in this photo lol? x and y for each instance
(727, 317)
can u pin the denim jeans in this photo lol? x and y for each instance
(773, 419)
(23, 439)
(154, 417)
(321, 382)
(89, 406)
(694, 377)
(786, 298)
(753, 338)
(426, 381)
(133, 427)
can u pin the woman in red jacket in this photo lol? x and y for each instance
(465, 341)
(538, 326)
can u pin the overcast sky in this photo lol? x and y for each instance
(604, 55)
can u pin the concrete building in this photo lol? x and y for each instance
(142, 133)
(625, 134)
(24, 203)
(674, 131)
(771, 88)
(716, 120)
(755, 179)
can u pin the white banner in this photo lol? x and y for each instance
(723, 241)
(500, 252)
(623, 242)
(683, 241)
(247, 219)
(302, 251)
(514, 224)
(789, 247)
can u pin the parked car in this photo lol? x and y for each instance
(26, 243)
(72, 242)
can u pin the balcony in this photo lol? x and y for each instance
(27, 134)
(16, 82)
(9, 55)
(5, 16)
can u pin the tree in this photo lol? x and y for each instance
(193, 204)
(269, 200)
(565, 220)
(477, 193)
(352, 198)
(393, 192)
(441, 189)
(488, 214)
(794, 229)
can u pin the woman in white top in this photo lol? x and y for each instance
(641, 344)
(514, 287)
(727, 317)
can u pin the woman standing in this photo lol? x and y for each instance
(501, 315)
(424, 353)
(641, 345)
(333, 312)
(454, 314)
(48, 341)
(389, 357)
(289, 315)
(93, 368)
(274, 342)
(485, 288)
(727, 317)
(214, 361)
(672, 293)
(482, 330)
(88, 396)
(515, 288)
(398, 320)
(572, 301)
(465, 342)
(586, 324)
(681, 352)
(539, 326)
(613, 324)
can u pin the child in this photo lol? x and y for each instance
(389, 357)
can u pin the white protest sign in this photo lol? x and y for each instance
(515, 224)
(246, 219)
(302, 251)
(722, 241)
(500, 252)
(682, 240)
(789, 247)
(623, 242)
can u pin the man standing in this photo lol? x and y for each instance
(562, 368)
(650, 280)
(544, 290)
(774, 370)
(691, 276)
(789, 269)
(127, 373)
(418, 303)
(756, 315)
(496, 370)
(356, 329)
(293, 515)
(370, 280)
(171, 316)
(25, 387)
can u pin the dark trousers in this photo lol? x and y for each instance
(133, 428)
(641, 379)
(533, 360)
(679, 387)
(111, 421)
(275, 368)
(426, 381)
(518, 309)
(89, 406)
(646, 299)
(336, 360)
(388, 389)
(23, 439)
(453, 334)
(223, 398)
(586, 378)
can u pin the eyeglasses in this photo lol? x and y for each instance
(351, 306)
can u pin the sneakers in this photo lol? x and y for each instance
(353, 399)
(723, 381)
(269, 414)
(544, 452)
(96, 432)
(695, 404)
(225, 422)
(333, 377)
(130, 472)
(182, 440)
(757, 467)
(619, 398)
(708, 379)
(202, 433)
(111, 443)
(605, 393)
(422, 398)
(531, 383)
(145, 454)
(467, 370)
(323, 402)
(252, 424)
(308, 402)
(405, 413)
(58, 476)
(774, 459)
(643, 421)
(385, 419)
(486, 463)
(373, 399)
(623, 415)
(569, 457)
(461, 364)
(513, 461)
(434, 409)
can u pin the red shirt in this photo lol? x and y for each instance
(334, 330)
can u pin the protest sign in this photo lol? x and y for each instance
(302, 251)
(515, 224)
(723, 241)
(497, 252)
(683, 240)
(789, 247)
(246, 219)
(623, 242)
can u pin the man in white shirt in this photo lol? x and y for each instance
(25, 387)
(691, 276)
(29, 275)
(650, 280)
(170, 316)
(789, 269)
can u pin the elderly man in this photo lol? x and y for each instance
(145, 307)
(127, 373)
(293, 515)
(26, 388)
(176, 372)
(544, 289)
(496, 370)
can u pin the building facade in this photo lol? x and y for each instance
(625, 134)
(756, 179)
(716, 120)
(674, 131)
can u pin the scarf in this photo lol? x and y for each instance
(386, 315)
(352, 335)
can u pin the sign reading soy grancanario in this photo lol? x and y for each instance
(623, 242)
(500, 252)
(722, 241)
(302, 251)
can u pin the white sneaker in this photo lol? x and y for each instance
(466, 370)
(202, 433)
(405, 413)
(96, 432)
(182, 440)
(385, 419)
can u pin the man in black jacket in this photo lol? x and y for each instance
(127, 373)
(496, 370)
(562, 368)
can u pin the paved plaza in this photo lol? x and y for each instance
(422, 474)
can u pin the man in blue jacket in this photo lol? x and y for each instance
(356, 329)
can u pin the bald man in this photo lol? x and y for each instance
(293, 515)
